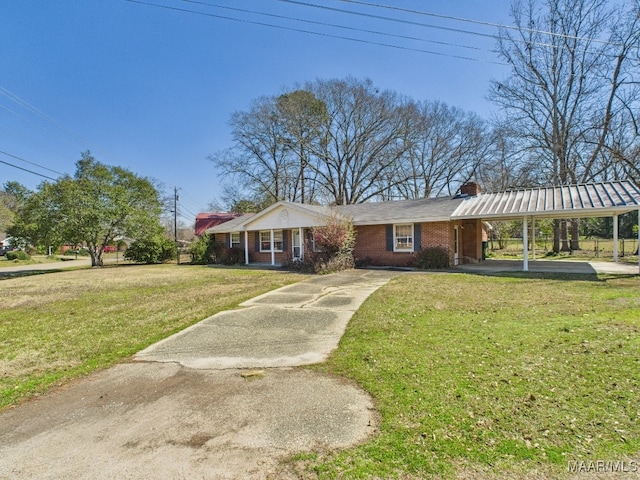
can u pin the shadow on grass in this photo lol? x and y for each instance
(559, 276)
(29, 273)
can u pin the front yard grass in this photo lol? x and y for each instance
(493, 377)
(57, 326)
(473, 376)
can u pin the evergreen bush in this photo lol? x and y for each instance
(432, 258)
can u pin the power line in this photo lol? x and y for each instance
(362, 30)
(388, 19)
(26, 105)
(187, 210)
(340, 37)
(528, 42)
(31, 163)
(477, 22)
(30, 171)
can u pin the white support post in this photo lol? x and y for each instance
(246, 247)
(615, 238)
(300, 232)
(533, 238)
(273, 253)
(525, 241)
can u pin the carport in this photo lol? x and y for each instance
(606, 199)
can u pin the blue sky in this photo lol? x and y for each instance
(152, 89)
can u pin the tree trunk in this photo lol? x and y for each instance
(556, 236)
(575, 234)
(563, 237)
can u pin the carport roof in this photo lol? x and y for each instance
(566, 201)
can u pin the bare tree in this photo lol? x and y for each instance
(567, 84)
(362, 141)
(446, 146)
(259, 159)
(508, 167)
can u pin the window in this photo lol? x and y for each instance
(311, 242)
(265, 241)
(235, 240)
(403, 238)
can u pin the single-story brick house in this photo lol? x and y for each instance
(390, 233)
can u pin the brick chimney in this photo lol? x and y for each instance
(470, 188)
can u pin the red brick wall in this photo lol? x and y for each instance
(265, 257)
(438, 234)
(472, 235)
(371, 244)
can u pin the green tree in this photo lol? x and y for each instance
(92, 208)
(12, 197)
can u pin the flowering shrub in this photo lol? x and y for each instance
(334, 244)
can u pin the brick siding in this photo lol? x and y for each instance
(371, 244)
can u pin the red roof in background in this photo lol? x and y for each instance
(208, 220)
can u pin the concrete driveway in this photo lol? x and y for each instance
(202, 404)
(553, 266)
(295, 325)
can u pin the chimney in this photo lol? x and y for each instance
(470, 188)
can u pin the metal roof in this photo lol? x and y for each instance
(566, 201)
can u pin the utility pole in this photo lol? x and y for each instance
(175, 223)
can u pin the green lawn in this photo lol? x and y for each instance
(478, 376)
(57, 326)
(473, 376)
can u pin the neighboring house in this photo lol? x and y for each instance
(390, 233)
(205, 221)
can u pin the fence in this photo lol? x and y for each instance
(589, 247)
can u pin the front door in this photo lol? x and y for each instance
(295, 244)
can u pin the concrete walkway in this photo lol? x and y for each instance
(295, 325)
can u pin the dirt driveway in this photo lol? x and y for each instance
(220, 400)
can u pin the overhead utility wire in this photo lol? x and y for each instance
(24, 169)
(389, 19)
(23, 103)
(32, 163)
(340, 37)
(418, 24)
(478, 22)
(313, 22)
(188, 211)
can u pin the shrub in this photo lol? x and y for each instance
(204, 250)
(336, 240)
(229, 256)
(18, 255)
(151, 250)
(432, 258)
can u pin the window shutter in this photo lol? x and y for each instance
(257, 234)
(227, 240)
(389, 238)
(417, 237)
(285, 237)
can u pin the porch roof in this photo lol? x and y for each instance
(566, 201)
